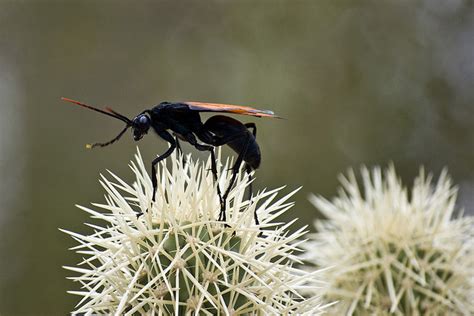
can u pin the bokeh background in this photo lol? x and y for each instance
(359, 82)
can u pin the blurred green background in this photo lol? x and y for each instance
(359, 82)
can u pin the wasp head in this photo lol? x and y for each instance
(140, 126)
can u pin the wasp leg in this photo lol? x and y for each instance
(222, 130)
(179, 149)
(178, 145)
(166, 136)
(247, 167)
(219, 141)
(155, 161)
(235, 171)
(253, 127)
(223, 140)
(249, 170)
(192, 140)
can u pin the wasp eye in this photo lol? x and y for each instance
(143, 120)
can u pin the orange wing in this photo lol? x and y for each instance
(229, 108)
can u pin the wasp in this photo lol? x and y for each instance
(174, 121)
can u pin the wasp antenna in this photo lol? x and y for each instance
(108, 111)
(110, 142)
(118, 115)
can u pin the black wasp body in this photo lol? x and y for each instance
(218, 130)
(182, 121)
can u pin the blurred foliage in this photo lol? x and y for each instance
(359, 82)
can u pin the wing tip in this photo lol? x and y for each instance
(268, 113)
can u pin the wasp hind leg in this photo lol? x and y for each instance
(235, 170)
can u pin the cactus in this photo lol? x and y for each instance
(390, 252)
(178, 259)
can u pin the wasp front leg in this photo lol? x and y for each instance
(154, 180)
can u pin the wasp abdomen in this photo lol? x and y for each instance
(239, 136)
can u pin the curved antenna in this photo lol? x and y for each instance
(116, 138)
(108, 111)
(118, 115)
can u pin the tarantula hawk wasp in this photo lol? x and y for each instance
(183, 120)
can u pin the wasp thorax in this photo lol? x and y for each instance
(141, 124)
